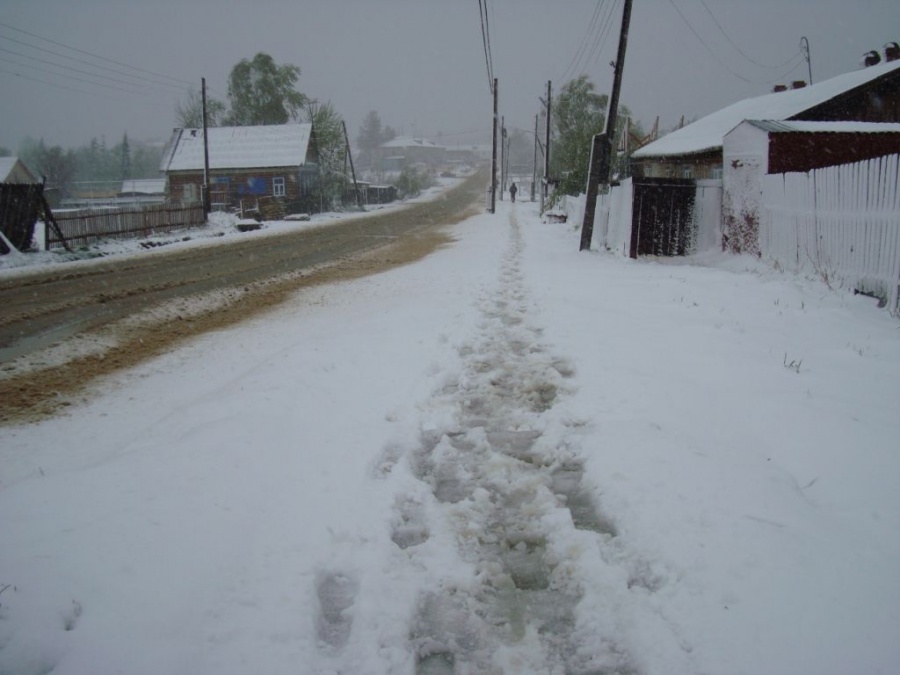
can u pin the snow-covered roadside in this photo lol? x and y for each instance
(222, 227)
(681, 468)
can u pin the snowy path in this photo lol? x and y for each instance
(509, 457)
(490, 489)
(515, 502)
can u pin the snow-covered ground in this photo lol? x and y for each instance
(510, 457)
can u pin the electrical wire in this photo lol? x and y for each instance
(59, 86)
(87, 63)
(176, 80)
(75, 70)
(574, 64)
(721, 62)
(484, 42)
(605, 29)
(741, 51)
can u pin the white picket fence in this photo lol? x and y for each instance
(840, 222)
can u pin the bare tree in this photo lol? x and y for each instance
(189, 113)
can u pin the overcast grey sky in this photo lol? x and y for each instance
(419, 63)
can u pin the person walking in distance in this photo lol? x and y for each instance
(512, 193)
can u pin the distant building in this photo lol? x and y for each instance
(404, 151)
(246, 164)
(142, 191)
(13, 170)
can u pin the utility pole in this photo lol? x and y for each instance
(804, 45)
(544, 185)
(506, 160)
(502, 157)
(534, 160)
(352, 170)
(602, 146)
(494, 156)
(206, 200)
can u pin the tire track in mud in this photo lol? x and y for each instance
(517, 502)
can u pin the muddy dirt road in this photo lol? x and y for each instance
(62, 329)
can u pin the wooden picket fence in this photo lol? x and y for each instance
(840, 222)
(82, 226)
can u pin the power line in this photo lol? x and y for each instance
(57, 85)
(97, 56)
(486, 43)
(600, 39)
(82, 61)
(576, 58)
(75, 70)
(720, 61)
(741, 51)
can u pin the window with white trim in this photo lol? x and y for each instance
(278, 186)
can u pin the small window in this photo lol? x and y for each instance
(278, 186)
(189, 193)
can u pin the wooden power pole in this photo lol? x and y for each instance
(534, 159)
(494, 156)
(602, 146)
(545, 186)
(352, 170)
(206, 199)
(502, 157)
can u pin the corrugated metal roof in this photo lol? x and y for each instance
(706, 134)
(276, 145)
(790, 126)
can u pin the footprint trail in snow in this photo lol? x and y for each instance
(517, 503)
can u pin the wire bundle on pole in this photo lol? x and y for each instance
(486, 41)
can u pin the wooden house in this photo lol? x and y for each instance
(247, 165)
(695, 151)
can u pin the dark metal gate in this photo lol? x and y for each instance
(20, 205)
(662, 216)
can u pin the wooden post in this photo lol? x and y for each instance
(502, 157)
(352, 170)
(534, 159)
(206, 202)
(602, 147)
(545, 186)
(494, 155)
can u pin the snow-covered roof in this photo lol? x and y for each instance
(14, 170)
(408, 142)
(275, 145)
(706, 134)
(144, 186)
(778, 126)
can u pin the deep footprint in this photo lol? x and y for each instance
(336, 593)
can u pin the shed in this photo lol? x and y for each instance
(246, 165)
(13, 170)
(755, 148)
(695, 151)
